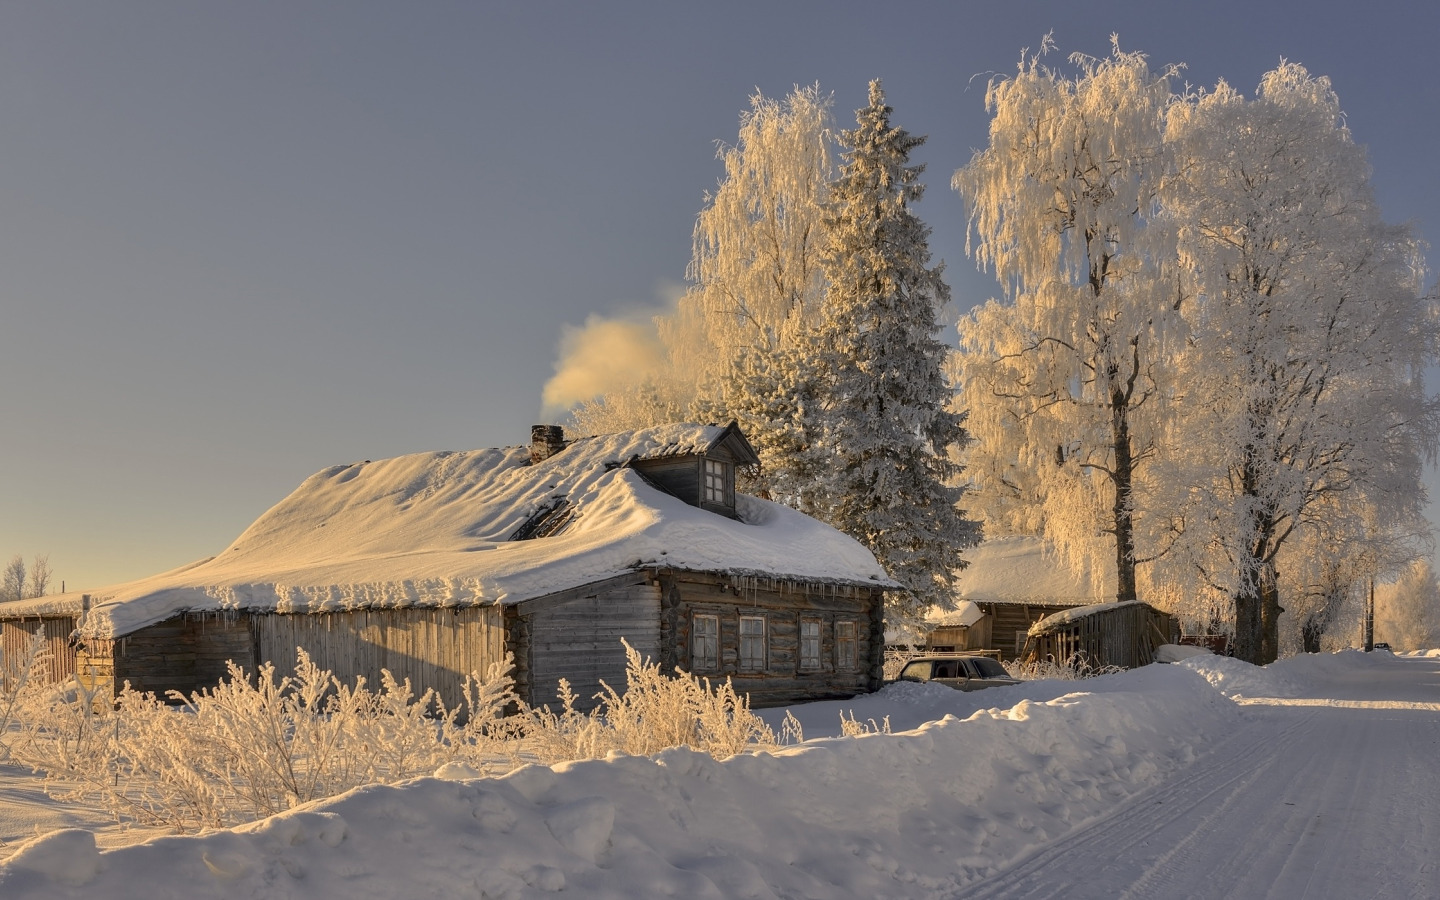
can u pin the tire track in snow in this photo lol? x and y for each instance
(1141, 816)
(1309, 801)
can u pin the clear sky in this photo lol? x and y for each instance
(243, 242)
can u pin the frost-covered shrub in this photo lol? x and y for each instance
(1072, 669)
(655, 712)
(251, 747)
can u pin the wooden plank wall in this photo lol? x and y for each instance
(1007, 620)
(782, 604)
(15, 638)
(434, 648)
(1125, 637)
(578, 638)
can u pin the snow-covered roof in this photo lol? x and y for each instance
(963, 615)
(1066, 616)
(433, 529)
(1022, 569)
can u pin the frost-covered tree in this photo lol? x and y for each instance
(1065, 381)
(755, 262)
(755, 278)
(12, 580)
(885, 425)
(1407, 614)
(39, 581)
(1308, 336)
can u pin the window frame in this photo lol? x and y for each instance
(699, 662)
(753, 661)
(717, 483)
(847, 645)
(813, 660)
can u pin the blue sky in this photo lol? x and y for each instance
(243, 242)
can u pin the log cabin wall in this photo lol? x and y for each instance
(576, 634)
(433, 647)
(16, 636)
(1010, 623)
(840, 615)
(186, 653)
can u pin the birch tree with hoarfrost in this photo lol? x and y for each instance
(1308, 338)
(889, 481)
(1065, 380)
(754, 272)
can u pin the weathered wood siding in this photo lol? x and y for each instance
(433, 648)
(955, 638)
(186, 653)
(1010, 622)
(17, 634)
(575, 635)
(782, 604)
(1125, 636)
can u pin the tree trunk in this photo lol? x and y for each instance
(1270, 610)
(1122, 510)
(1247, 617)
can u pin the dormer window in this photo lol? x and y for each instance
(717, 482)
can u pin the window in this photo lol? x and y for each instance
(705, 644)
(810, 643)
(717, 476)
(752, 643)
(845, 646)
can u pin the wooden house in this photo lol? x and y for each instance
(1108, 634)
(1009, 584)
(437, 565)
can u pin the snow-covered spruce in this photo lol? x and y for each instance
(883, 414)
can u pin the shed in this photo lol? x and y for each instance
(1108, 634)
(1015, 581)
(436, 565)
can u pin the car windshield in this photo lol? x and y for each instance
(919, 671)
(989, 668)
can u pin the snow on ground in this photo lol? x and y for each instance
(1146, 783)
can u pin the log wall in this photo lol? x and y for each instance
(782, 604)
(576, 635)
(1010, 623)
(187, 653)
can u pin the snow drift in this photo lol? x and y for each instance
(919, 813)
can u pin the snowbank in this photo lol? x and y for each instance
(1236, 678)
(919, 813)
(433, 529)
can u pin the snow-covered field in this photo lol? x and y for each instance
(1310, 778)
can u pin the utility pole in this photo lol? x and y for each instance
(1370, 616)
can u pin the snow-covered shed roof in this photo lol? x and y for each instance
(434, 529)
(1066, 616)
(1024, 569)
(965, 614)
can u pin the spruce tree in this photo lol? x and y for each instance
(886, 428)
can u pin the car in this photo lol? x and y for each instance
(1380, 645)
(965, 673)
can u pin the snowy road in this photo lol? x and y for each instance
(1335, 794)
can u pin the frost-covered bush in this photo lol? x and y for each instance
(19, 685)
(655, 712)
(252, 747)
(1072, 669)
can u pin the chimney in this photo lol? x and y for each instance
(545, 442)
